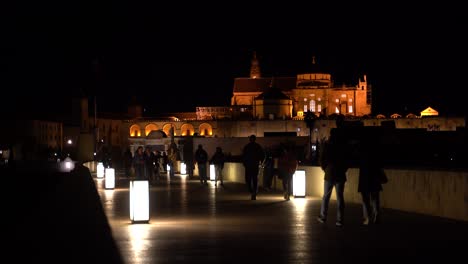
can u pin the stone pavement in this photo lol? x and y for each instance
(70, 218)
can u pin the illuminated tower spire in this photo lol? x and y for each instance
(255, 67)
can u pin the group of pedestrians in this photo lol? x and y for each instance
(255, 156)
(218, 159)
(146, 163)
(334, 160)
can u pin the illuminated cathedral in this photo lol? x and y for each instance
(290, 97)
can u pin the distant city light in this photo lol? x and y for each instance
(69, 142)
(67, 165)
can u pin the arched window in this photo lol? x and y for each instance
(205, 129)
(187, 130)
(312, 105)
(167, 129)
(135, 131)
(149, 128)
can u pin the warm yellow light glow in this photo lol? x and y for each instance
(429, 112)
(139, 201)
(212, 172)
(100, 170)
(149, 128)
(183, 168)
(167, 129)
(300, 113)
(299, 183)
(135, 131)
(187, 130)
(110, 178)
(205, 129)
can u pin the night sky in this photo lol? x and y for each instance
(414, 55)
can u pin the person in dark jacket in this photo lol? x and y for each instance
(333, 161)
(371, 177)
(252, 156)
(218, 160)
(139, 163)
(127, 160)
(201, 158)
(287, 166)
(150, 163)
(268, 169)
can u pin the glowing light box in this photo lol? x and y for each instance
(100, 170)
(212, 172)
(139, 201)
(299, 183)
(183, 168)
(110, 178)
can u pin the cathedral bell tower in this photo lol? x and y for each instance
(255, 67)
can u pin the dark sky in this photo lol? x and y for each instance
(414, 55)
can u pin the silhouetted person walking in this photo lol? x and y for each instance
(333, 161)
(252, 156)
(371, 177)
(287, 165)
(127, 160)
(218, 160)
(150, 162)
(268, 169)
(201, 158)
(139, 163)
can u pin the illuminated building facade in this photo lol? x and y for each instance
(309, 92)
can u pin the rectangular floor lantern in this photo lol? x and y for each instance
(212, 172)
(183, 168)
(109, 179)
(139, 201)
(299, 183)
(100, 170)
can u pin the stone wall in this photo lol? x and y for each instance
(433, 192)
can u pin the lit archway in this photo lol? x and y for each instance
(135, 131)
(187, 130)
(167, 129)
(149, 128)
(205, 129)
